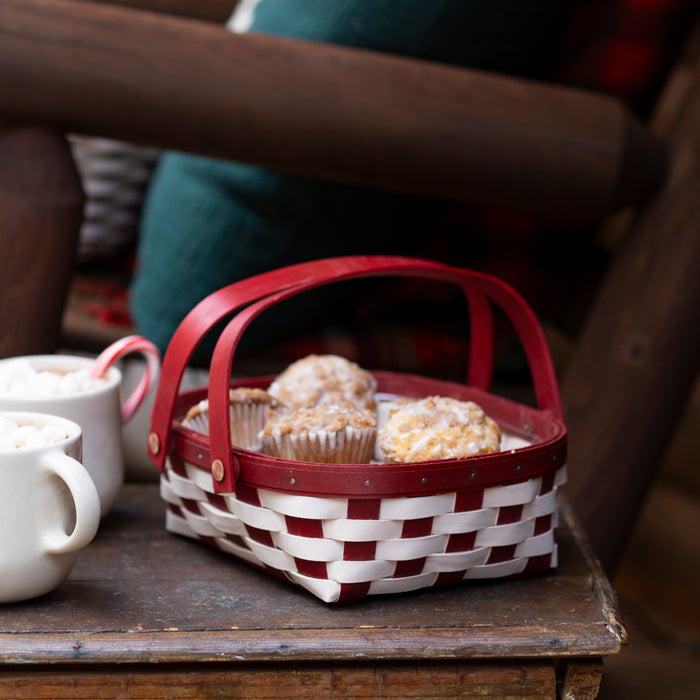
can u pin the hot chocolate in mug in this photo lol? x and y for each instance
(87, 391)
(49, 506)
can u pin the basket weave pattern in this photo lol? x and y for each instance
(342, 549)
(343, 532)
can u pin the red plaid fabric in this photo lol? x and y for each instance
(626, 48)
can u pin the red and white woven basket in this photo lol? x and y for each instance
(346, 531)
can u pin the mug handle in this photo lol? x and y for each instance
(85, 499)
(126, 346)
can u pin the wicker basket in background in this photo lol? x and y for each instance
(115, 177)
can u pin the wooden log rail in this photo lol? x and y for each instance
(208, 10)
(320, 110)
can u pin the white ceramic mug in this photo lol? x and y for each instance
(95, 405)
(49, 507)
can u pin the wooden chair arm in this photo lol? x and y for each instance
(207, 10)
(324, 111)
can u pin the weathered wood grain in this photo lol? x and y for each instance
(141, 594)
(517, 680)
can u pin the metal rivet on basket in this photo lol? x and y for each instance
(217, 470)
(424, 480)
(473, 475)
(292, 481)
(519, 468)
(367, 482)
(154, 443)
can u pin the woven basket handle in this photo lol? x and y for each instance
(226, 301)
(477, 287)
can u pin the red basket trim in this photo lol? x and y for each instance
(542, 524)
(543, 457)
(217, 501)
(509, 514)
(412, 567)
(176, 510)
(419, 527)
(470, 499)
(177, 464)
(547, 483)
(461, 542)
(538, 564)
(304, 527)
(499, 554)
(359, 551)
(237, 540)
(260, 536)
(364, 509)
(312, 569)
(248, 494)
(449, 578)
(352, 591)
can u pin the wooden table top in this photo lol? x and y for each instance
(140, 594)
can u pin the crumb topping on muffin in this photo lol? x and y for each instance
(329, 418)
(319, 380)
(438, 428)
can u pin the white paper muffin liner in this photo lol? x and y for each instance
(348, 446)
(247, 420)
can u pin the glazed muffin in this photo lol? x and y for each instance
(248, 408)
(438, 428)
(336, 434)
(321, 380)
(386, 406)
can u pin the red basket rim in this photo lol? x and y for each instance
(256, 470)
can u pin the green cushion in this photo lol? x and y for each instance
(207, 223)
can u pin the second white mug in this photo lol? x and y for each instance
(96, 406)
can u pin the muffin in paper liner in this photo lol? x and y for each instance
(248, 409)
(331, 434)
